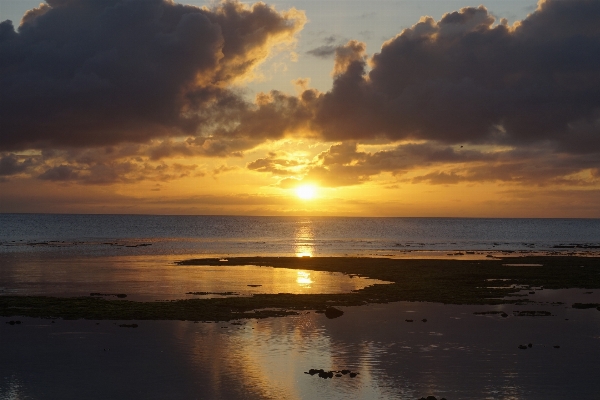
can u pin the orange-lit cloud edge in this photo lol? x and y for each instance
(465, 116)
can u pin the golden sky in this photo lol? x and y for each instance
(395, 108)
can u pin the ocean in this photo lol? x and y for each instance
(106, 235)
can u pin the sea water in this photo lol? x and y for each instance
(105, 235)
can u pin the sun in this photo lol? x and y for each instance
(306, 192)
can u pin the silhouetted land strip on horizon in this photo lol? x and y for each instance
(440, 281)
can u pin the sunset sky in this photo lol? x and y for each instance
(378, 108)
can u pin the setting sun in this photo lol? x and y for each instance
(306, 192)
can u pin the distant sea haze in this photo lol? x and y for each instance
(106, 235)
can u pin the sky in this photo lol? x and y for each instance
(383, 108)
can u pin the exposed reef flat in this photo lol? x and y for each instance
(440, 281)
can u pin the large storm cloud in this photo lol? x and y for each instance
(469, 78)
(100, 72)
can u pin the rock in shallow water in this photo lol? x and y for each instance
(332, 312)
(128, 326)
(321, 373)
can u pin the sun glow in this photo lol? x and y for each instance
(306, 192)
(304, 279)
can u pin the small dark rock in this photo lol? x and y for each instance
(557, 347)
(121, 295)
(332, 312)
(408, 320)
(128, 325)
(530, 345)
(323, 374)
(345, 371)
(522, 347)
(424, 320)
(353, 374)
(532, 313)
(583, 306)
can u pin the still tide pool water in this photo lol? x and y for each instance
(144, 278)
(456, 354)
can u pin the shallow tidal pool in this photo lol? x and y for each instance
(455, 354)
(150, 278)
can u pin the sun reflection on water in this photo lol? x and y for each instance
(304, 239)
(304, 279)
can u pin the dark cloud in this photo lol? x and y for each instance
(532, 88)
(464, 79)
(11, 164)
(344, 164)
(325, 51)
(59, 173)
(468, 78)
(330, 39)
(128, 76)
(276, 164)
(98, 72)
(533, 170)
(328, 49)
(223, 169)
(127, 172)
(212, 146)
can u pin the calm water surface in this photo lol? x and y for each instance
(150, 278)
(455, 354)
(232, 235)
